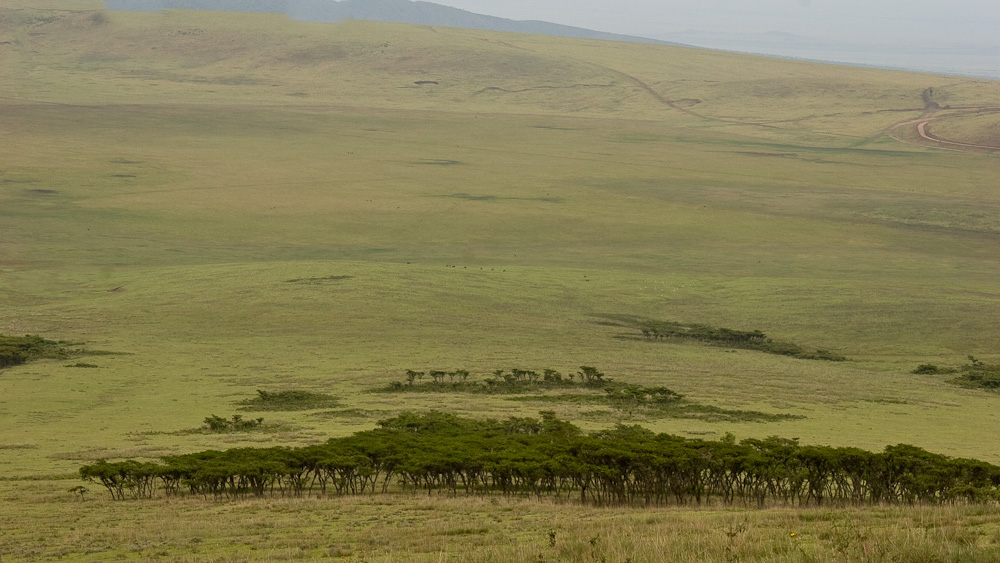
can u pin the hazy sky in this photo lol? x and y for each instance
(876, 21)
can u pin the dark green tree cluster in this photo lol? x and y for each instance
(624, 396)
(16, 350)
(975, 374)
(749, 340)
(442, 453)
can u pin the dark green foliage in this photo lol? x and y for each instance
(221, 425)
(439, 452)
(974, 375)
(82, 365)
(124, 479)
(637, 395)
(288, 401)
(656, 331)
(711, 413)
(16, 350)
(978, 375)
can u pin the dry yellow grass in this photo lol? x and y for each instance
(419, 528)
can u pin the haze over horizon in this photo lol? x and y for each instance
(959, 37)
(916, 35)
(915, 21)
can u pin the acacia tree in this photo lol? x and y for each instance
(441, 453)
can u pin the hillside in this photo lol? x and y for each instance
(159, 57)
(381, 144)
(394, 11)
(205, 209)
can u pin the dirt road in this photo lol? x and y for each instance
(933, 112)
(922, 131)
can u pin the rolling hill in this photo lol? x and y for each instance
(395, 11)
(214, 204)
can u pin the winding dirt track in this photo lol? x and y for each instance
(933, 112)
(922, 131)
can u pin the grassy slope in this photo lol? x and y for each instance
(975, 129)
(165, 175)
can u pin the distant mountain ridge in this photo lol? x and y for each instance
(396, 11)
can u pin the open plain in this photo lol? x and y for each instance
(220, 203)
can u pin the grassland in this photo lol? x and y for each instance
(976, 128)
(416, 528)
(246, 202)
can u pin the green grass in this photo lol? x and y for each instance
(246, 202)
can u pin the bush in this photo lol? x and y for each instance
(16, 350)
(974, 375)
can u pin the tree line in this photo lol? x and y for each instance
(655, 330)
(514, 381)
(439, 453)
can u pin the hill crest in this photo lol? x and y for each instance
(392, 11)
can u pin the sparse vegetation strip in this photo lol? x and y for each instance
(657, 331)
(220, 425)
(17, 350)
(527, 384)
(501, 382)
(319, 279)
(442, 453)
